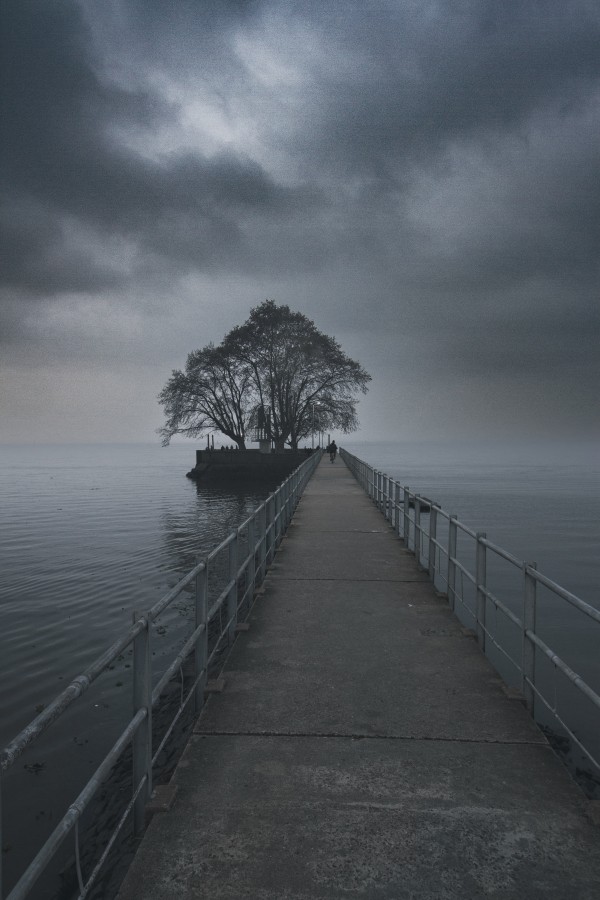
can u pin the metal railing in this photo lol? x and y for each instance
(441, 547)
(238, 579)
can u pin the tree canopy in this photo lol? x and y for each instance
(276, 368)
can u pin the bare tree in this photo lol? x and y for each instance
(301, 376)
(214, 393)
(276, 369)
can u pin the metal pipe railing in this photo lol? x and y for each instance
(264, 530)
(402, 500)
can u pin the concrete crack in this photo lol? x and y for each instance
(357, 736)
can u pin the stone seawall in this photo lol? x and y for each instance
(248, 464)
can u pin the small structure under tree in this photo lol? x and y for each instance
(276, 374)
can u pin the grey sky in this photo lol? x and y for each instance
(420, 178)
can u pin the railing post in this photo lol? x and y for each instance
(283, 508)
(529, 624)
(251, 573)
(287, 503)
(384, 503)
(201, 648)
(268, 529)
(418, 529)
(272, 542)
(232, 597)
(452, 543)
(406, 513)
(432, 539)
(481, 584)
(397, 508)
(142, 739)
(262, 551)
(279, 515)
(278, 518)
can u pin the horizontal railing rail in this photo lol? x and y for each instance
(263, 531)
(447, 567)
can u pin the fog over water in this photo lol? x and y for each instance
(421, 179)
(89, 533)
(540, 500)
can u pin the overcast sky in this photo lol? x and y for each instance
(419, 178)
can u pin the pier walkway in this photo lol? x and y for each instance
(363, 747)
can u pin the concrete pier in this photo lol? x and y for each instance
(363, 747)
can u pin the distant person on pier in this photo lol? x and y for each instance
(332, 449)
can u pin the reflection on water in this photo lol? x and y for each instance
(194, 530)
(87, 536)
(90, 534)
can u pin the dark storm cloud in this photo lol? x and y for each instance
(427, 87)
(188, 210)
(60, 163)
(551, 337)
(415, 76)
(54, 111)
(425, 169)
(42, 258)
(422, 85)
(401, 84)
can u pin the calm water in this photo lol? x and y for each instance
(540, 502)
(90, 533)
(87, 535)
